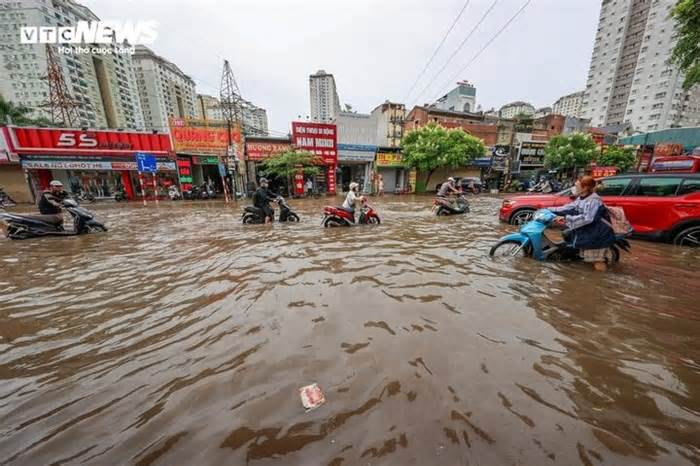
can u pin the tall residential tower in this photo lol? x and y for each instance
(325, 105)
(630, 80)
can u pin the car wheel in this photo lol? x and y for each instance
(688, 237)
(521, 216)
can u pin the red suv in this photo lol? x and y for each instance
(663, 207)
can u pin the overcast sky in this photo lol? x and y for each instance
(374, 48)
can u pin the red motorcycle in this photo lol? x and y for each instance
(339, 217)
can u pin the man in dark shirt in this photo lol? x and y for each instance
(262, 198)
(51, 201)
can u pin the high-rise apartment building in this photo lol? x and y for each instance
(514, 109)
(630, 80)
(325, 105)
(254, 117)
(569, 105)
(102, 85)
(460, 99)
(165, 91)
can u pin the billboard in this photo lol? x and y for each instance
(259, 150)
(317, 138)
(531, 154)
(389, 159)
(212, 140)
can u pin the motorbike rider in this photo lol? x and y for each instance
(446, 189)
(262, 198)
(588, 223)
(51, 200)
(352, 199)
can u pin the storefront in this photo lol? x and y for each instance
(390, 170)
(320, 139)
(257, 150)
(99, 162)
(203, 152)
(355, 163)
(12, 178)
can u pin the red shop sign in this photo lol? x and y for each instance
(75, 141)
(317, 138)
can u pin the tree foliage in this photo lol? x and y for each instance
(288, 163)
(686, 53)
(569, 152)
(433, 146)
(19, 114)
(615, 156)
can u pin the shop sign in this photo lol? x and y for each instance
(389, 159)
(499, 157)
(57, 140)
(531, 154)
(481, 162)
(184, 172)
(190, 139)
(677, 164)
(100, 165)
(603, 171)
(209, 160)
(356, 153)
(259, 150)
(317, 138)
(668, 150)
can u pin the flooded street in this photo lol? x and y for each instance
(182, 337)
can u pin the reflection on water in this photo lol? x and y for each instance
(182, 337)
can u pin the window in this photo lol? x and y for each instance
(613, 187)
(690, 185)
(658, 187)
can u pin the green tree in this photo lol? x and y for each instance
(686, 53)
(615, 156)
(19, 114)
(569, 152)
(288, 163)
(432, 146)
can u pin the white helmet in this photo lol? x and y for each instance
(353, 186)
(56, 183)
(451, 179)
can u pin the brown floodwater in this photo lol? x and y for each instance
(183, 337)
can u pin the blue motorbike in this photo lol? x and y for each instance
(531, 241)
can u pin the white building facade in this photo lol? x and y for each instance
(629, 79)
(254, 117)
(356, 149)
(569, 105)
(165, 91)
(513, 109)
(103, 86)
(325, 104)
(460, 99)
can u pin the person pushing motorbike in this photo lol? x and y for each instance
(588, 223)
(351, 200)
(262, 198)
(51, 200)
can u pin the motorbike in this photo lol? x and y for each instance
(443, 206)
(120, 194)
(174, 193)
(32, 226)
(531, 241)
(6, 200)
(252, 215)
(339, 217)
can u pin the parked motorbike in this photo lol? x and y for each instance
(32, 226)
(532, 242)
(174, 193)
(252, 215)
(444, 206)
(5, 200)
(339, 217)
(120, 194)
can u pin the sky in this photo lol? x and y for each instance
(374, 48)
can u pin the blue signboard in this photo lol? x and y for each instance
(146, 162)
(481, 162)
(222, 169)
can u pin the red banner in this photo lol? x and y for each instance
(259, 150)
(603, 171)
(75, 141)
(668, 149)
(318, 138)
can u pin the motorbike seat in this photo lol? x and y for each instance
(45, 218)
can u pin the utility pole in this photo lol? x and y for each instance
(62, 108)
(230, 96)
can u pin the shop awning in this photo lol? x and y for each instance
(688, 137)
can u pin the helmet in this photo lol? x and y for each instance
(263, 180)
(353, 186)
(56, 184)
(450, 179)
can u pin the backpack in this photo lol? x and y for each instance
(618, 221)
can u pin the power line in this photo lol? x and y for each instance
(457, 50)
(442, 42)
(512, 18)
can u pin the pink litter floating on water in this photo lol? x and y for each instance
(311, 396)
